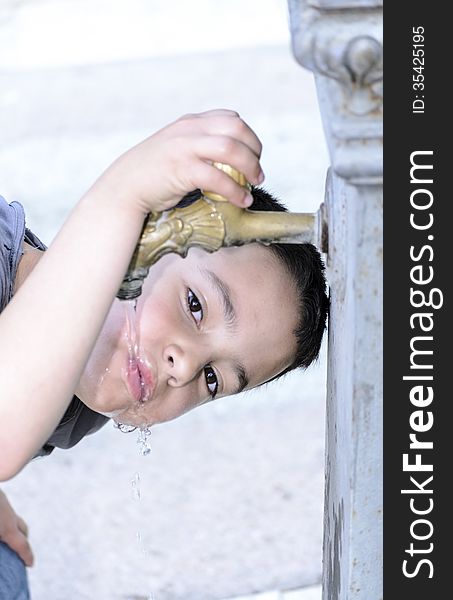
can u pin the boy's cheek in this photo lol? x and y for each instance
(158, 323)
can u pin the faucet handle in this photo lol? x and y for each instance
(234, 174)
(211, 222)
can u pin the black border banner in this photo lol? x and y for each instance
(418, 433)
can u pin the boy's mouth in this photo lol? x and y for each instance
(139, 380)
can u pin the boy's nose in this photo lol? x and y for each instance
(181, 365)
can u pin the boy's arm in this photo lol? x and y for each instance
(65, 299)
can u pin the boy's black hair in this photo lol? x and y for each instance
(304, 264)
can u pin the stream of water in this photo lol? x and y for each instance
(144, 431)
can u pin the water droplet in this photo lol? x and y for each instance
(124, 428)
(135, 483)
(136, 495)
(144, 434)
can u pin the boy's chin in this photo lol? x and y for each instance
(110, 415)
(133, 416)
(103, 408)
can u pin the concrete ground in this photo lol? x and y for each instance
(229, 502)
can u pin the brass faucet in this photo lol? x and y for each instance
(211, 222)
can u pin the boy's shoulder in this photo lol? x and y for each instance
(77, 422)
(12, 229)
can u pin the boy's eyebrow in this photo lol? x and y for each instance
(223, 291)
(229, 313)
(242, 377)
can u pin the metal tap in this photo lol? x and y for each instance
(211, 222)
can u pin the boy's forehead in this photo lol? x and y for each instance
(255, 257)
(250, 272)
(265, 300)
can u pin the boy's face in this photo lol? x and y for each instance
(208, 326)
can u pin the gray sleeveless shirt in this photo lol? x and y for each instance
(78, 420)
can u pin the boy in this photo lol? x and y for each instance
(208, 326)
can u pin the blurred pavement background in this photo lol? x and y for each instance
(229, 502)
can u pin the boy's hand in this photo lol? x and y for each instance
(177, 159)
(14, 530)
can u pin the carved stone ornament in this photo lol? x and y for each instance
(343, 48)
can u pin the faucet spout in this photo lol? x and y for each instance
(266, 227)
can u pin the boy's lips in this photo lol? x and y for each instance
(139, 380)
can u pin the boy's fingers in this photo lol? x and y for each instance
(211, 179)
(228, 124)
(238, 129)
(226, 112)
(22, 525)
(19, 543)
(227, 150)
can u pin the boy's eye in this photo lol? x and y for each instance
(194, 306)
(211, 380)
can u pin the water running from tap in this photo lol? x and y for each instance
(136, 493)
(134, 361)
(132, 338)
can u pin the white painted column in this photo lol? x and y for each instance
(341, 42)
